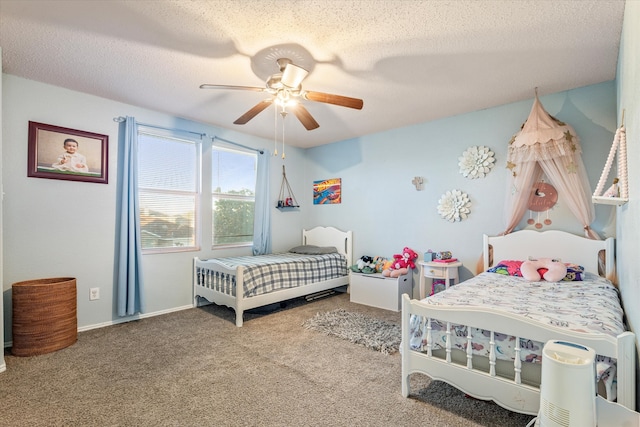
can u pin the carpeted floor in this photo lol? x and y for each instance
(358, 328)
(196, 368)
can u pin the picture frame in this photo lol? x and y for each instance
(327, 191)
(56, 152)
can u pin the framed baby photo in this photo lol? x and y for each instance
(61, 153)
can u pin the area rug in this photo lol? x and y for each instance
(358, 328)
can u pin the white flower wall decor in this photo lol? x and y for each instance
(476, 162)
(454, 206)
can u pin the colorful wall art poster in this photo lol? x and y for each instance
(327, 191)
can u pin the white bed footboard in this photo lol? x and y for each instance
(510, 393)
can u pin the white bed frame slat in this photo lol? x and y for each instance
(513, 394)
(223, 293)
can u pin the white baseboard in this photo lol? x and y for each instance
(118, 321)
(132, 318)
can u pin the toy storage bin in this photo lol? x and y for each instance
(379, 291)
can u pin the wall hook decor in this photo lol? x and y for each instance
(418, 181)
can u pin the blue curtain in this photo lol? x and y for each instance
(128, 246)
(262, 214)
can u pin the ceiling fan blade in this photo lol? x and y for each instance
(305, 117)
(255, 89)
(343, 101)
(293, 75)
(258, 108)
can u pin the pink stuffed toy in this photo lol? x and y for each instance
(401, 263)
(552, 270)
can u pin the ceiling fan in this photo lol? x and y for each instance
(286, 90)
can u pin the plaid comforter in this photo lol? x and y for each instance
(267, 273)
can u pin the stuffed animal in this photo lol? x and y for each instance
(552, 270)
(364, 265)
(401, 263)
(379, 263)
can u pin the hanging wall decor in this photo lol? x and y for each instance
(286, 199)
(543, 197)
(56, 152)
(327, 191)
(476, 162)
(454, 206)
(618, 192)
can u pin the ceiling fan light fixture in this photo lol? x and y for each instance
(275, 82)
(293, 75)
(284, 99)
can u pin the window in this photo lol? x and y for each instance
(233, 183)
(168, 183)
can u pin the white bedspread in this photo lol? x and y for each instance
(589, 305)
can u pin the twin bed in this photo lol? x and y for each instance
(485, 335)
(319, 264)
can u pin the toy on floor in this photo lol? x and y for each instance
(401, 263)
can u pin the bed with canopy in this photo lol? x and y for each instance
(485, 335)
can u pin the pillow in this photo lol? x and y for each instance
(313, 250)
(574, 272)
(552, 270)
(508, 268)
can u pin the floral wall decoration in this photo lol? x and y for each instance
(476, 162)
(454, 205)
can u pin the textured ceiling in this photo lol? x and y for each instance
(410, 61)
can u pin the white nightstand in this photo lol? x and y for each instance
(438, 270)
(379, 291)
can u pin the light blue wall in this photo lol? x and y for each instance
(55, 228)
(628, 216)
(386, 211)
(380, 204)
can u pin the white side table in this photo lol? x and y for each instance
(438, 270)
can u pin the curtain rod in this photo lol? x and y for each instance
(239, 145)
(122, 119)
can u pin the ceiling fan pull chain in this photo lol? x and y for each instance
(284, 114)
(275, 131)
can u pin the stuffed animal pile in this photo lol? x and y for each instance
(401, 263)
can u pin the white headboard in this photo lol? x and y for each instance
(329, 236)
(568, 247)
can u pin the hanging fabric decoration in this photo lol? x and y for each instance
(547, 146)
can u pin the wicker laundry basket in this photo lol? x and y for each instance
(44, 315)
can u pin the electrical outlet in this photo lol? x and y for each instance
(94, 294)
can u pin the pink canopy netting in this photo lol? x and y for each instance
(545, 145)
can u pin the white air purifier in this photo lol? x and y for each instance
(568, 386)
